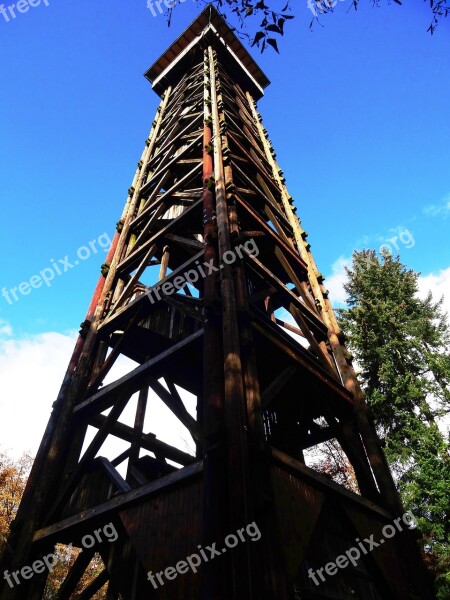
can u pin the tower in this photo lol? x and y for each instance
(210, 287)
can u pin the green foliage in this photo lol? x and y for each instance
(401, 344)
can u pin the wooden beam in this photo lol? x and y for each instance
(133, 381)
(184, 241)
(300, 355)
(73, 577)
(119, 404)
(147, 441)
(120, 502)
(132, 259)
(311, 318)
(277, 385)
(326, 484)
(177, 407)
(134, 304)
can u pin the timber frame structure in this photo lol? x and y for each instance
(207, 189)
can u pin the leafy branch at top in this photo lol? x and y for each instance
(271, 19)
(439, 9)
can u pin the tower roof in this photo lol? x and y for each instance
(211, 27)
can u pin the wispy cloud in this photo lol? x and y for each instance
(335, 281)
(442, 209)
(31, 372)
(438, 284)
(5, 328)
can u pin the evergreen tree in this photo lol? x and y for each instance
(401, 344)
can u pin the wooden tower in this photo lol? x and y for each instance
(253, 337)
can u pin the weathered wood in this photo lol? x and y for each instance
(277, 385)
(206, 183)
(301, 356)
(133, 259)
(134, 279)
(164, 263)
(234, 397)
(121, 501)
(132, 382)
(373, 449)
(327, 484)
(147, 441)
(311, 318)
(76, 572)
(138, 428)
(92, 450)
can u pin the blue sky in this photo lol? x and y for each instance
(357, 112)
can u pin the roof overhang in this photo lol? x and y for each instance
(208, 28)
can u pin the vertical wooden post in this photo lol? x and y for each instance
(234, 399)
(211, 409)
(374, 451)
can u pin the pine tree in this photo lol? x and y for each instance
(401, 344)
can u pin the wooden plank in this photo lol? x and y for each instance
(132, 259)
(147, 441)
(299, 354)
(168, 165)
(73, 577)
(289, 327)
(119, 405)
(113, 475)
(177, 409)
(172, 141)
(133, 381)
(99, 376)
(311, 318)
(148, 295)
(160, 203)
(320, 351)
(121, 501)
(184, 241)
(276, 386)
(129, 287)
(277, 239)
(138, 429)
(323, 482)
(279, 215)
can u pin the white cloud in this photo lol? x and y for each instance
(335, 282)
(5, 328)
(439, 285)
(31, 372)
(32, 369)
(438, 210)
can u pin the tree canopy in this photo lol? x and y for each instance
(402, 346)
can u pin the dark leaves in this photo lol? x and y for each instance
(272, 22)
(258, 37)
(273, 43)
(274, 28)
